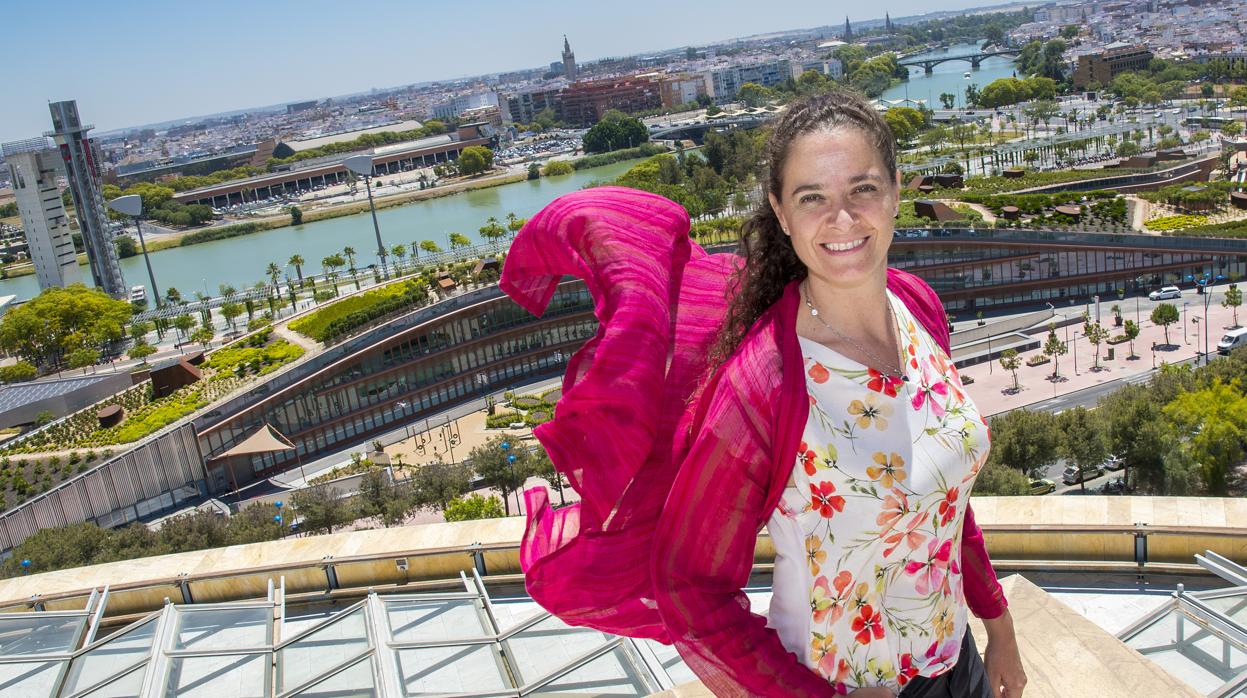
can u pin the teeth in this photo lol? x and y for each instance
(844, 246)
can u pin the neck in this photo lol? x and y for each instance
(858, 312)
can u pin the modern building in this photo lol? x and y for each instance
(297, 107)
(726, 82)
(583, 103)
(682, 88)
(286, 148)
(454, 107)
(1100, 68)
(33, 170)
(522, 107)
(81, 158)
(569, 61)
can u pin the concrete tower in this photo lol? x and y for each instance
(848, 30)
(78, 154)
(569, 61)
(33, 168)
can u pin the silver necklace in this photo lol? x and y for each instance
(899, 374)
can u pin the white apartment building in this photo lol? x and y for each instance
(33, 171)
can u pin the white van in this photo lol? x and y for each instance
(1232, 340)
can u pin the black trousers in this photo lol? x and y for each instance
(967, 679)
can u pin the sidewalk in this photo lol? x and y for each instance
(993, 392)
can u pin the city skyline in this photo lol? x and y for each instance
(182, 74)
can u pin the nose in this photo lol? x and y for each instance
(844, 218)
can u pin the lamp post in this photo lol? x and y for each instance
(1207, 298)
(132, 206)
(1074, 351)
(1198, 353)
(506, 446)
(1184, 340)
(362, 166)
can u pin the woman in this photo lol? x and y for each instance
(821, 403)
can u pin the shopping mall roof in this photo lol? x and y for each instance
(344, 136)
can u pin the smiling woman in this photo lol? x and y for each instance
(807, 388)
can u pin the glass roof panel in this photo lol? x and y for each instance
(237, 676)
(416, 620)
(326, 647)
(609, 675)
(51, 634)
(29, 678)
(110, 657)
(1234, 606)
(1188, 652)
(437, 670)
(127, 686)
(549, 645)
(223, 628)
(671, 661)
(355, 681)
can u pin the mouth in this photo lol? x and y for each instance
(847, 247)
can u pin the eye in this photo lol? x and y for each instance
(866, 189)
(810, 198)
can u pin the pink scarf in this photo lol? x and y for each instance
(673, 495)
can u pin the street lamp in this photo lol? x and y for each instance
(506, 446)
(362, 166)
(132, 206)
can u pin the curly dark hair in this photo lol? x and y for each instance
(770, 261)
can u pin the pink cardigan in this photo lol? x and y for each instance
(673, 493)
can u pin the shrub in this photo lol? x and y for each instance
(340, 318)
(20, 371)
(554, 168)
(1037, 360)
(473, 506)
(1165, 224)
(500, 420)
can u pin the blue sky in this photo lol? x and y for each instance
(136, 62)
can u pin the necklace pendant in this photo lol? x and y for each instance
(814, 312)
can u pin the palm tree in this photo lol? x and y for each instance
(328, 265)
(400, 252)
(298, 262)
(273, 272)
(350, 260)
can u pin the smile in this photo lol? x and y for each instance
(844, 246)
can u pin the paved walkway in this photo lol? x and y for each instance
(993, 392)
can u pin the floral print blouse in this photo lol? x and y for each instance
(867, 583)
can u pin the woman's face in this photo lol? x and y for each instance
(838, 207)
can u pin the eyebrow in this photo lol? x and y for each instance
(866, 176)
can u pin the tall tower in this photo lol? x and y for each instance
(569, 61)
(33, 170)
(78, 154)
(848, 30)
(887, 22)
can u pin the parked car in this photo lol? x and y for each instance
(1073, 476)
(1113, 462)
(1165, 293)
(1042, 486)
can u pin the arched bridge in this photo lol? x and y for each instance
(928, 64)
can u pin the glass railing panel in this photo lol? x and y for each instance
(328, 646)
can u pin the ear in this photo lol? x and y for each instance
(896, 205)
(779, 212)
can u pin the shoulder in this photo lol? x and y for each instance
(911, 289)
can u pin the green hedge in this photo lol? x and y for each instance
(642, 151)
(499, 420)
(224, 232)
(1233, 229)
(342, 317)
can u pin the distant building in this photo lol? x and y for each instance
(833, 68)
(1102, 67)
(1060, 14)
(452, 108)
(80, 157)
(300, 106)
(285, 149)
(585, 102)
(682, 88)
(569, 61)
(726, 82)
(489, 114)
(522, 107)
(33, 171)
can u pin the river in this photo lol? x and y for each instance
(241, 261)
(949, 77)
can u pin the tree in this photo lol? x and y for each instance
(948, 99)
(752, 94)
(1233, 299)
(475, 160)
(173, 295)
(430, 246)
(1054, 348)
(1083, 445)
(296, 215)
(472, 507)
(1096, 333)
(436, 484)
(86, 356)
(1165, 315)
(203, 336)
(999, 480)
(1216, 419)
(61, 320)
(274, 273)
(320, 509)
(493, 230)
(183, 323)
(298, 262)
(504, 468)
(399, 251)
(1026, 440)
(231, 311)
(615, 130)
(140, 351)
(459, 240)
(1010, 361)
(534, 171)
(1132, 332)
(18, 372)
(126, 247)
